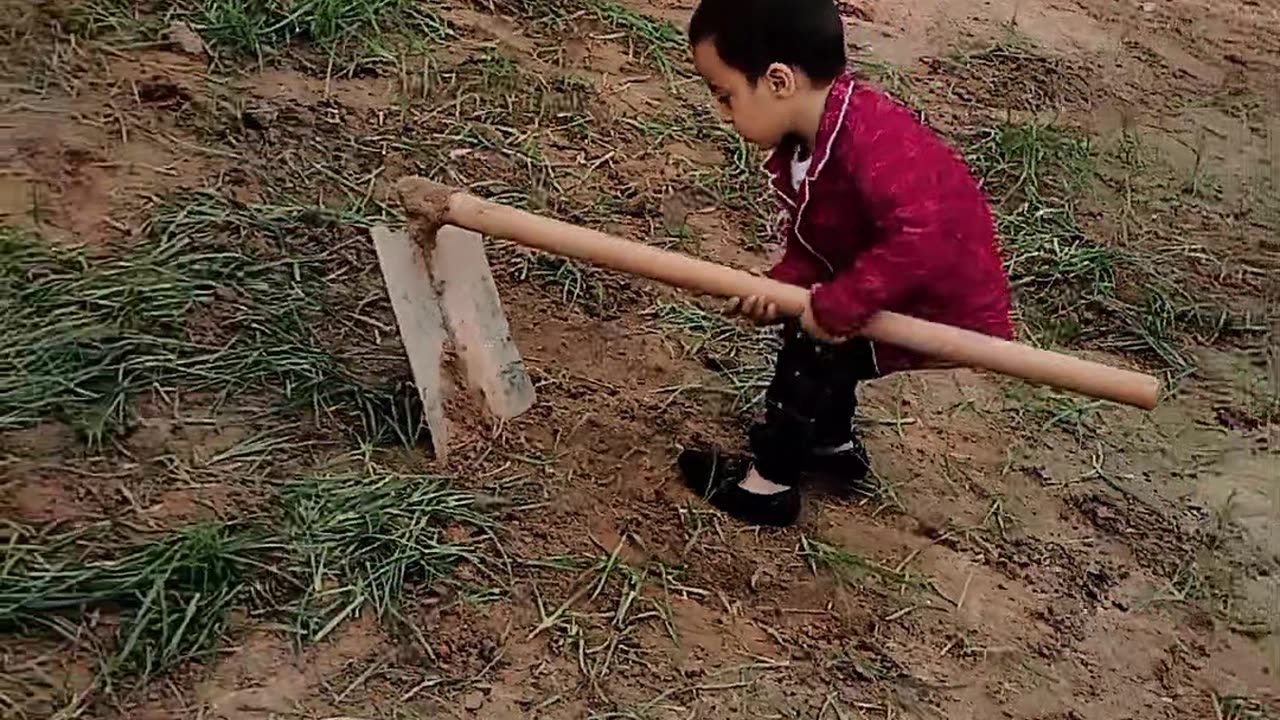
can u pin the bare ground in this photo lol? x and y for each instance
(1030, 555)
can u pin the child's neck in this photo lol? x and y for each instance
(812, 106)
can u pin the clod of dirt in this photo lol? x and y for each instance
(259, 117)
(677, 204)
(1095, 583)
(1143, 529)
(932, 526)
(575, 53)
(1237, 421)
(318, 218)
(427, 205)
(850, 8)
(186, 39)
(674, 213)
(473, 700)
(162, 92)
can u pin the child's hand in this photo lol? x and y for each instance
(809, 322)
(755, 308)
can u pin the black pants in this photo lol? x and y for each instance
(810, 402)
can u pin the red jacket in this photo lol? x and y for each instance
(889, 217)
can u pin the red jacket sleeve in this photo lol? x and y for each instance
(899, 174)
(797, 267)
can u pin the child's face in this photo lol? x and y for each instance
(761, 111)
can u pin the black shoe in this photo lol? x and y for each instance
(715, 476)
(841, 473)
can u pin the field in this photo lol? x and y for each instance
(217, 499)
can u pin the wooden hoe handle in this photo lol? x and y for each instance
(436, 204)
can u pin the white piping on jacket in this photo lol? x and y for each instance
(813, 175)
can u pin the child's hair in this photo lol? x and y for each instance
(751, 35)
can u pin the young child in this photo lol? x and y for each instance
(879, 214)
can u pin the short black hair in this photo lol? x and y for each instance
(751, 35)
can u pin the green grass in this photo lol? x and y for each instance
(854, 570)
(258, 28)
(174, 592)
(95, 18)
(1039, 410)
(610, 600)
(1236, 707)
(250, 26)
(737, 183)
(741, 355)
(358, 540)
(1035, 174)
(341, 544)
(658, 41)
(1072, 286)
(890, 77)
(575, 284)
(191, 311)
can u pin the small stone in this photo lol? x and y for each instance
(473, 700)
(186, 39)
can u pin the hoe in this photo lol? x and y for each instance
(443, 295)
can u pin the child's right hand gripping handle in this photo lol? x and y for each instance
(944, 342)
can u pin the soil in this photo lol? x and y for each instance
(1020, 568)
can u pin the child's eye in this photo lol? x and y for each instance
(723, 100)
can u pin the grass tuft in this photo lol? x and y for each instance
(573, 283)
(658, 41)
(1071, 287)
(890, 77)
(1236, 707)
(359, 539)
(737, 183)
(854, 570)
(255, 29)
(174, 592)
(1034, 174)
(343, 543)
(95, 18)
(192, 311)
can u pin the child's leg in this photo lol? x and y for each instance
(808, 421)
(839, 461)
(809, 412)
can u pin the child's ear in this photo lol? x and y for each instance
(781, 79)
